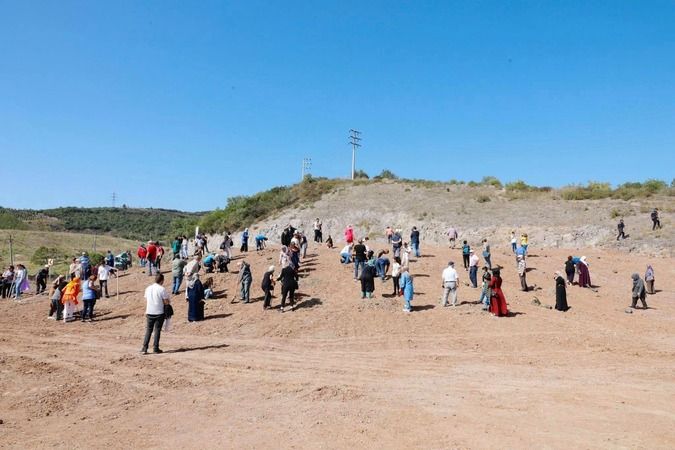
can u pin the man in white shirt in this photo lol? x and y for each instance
(104, 272)
(156, 297)
(450, 279)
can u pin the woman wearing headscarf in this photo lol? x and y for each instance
(349, 234)
(584, 273)
(560, 293)
(195, 293)
(407, 288)
(284, 257)
(368, 275)
(649, 279)
(497, 301)
(267, 286)
(639, 291)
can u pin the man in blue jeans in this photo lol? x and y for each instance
(415, 241)
(359, 258)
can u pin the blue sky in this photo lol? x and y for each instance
(183, 104)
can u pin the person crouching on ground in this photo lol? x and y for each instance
(245, 280)
(406, 285)
(346, 254)
(382, 264)
(156, 298)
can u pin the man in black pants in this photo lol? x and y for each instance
(289, 283)
(656, 223)
(156, 298)
(620, 227)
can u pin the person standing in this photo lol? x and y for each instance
(584, 273)
(522, 272)
(85, 265)
(349, 234)
(396, 275)
(396, 243)
(639, 291)
(656, 223)
(560, 293)
(57, 291)
(175, 248)
(318, 234)
(485, 293)
(303, 245)
(289, 283)
(359, 258)
(466, 254)
(497, 302)
(20, 281)
(415, 241)
(156, 297)
(514, 245)
(368, 275)
(177, 266)
(184, 247)
(244, 241)
(103, 274)
(473, 269)
(195, 294)
(449, 280)
(267, 286)
(487, 254)
(407, 288)
(151, 257)
(388, 233)
(245, 280)
(452, 236)
(649, 280)
(524, 242)
(621, 226)
(89, 295)
(569, 270)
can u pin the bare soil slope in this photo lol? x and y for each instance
(342, 372)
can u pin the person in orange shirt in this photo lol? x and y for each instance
(69, 298)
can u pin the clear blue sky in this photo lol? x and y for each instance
(183, 104)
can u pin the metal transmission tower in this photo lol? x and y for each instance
(306, 165)
(114, 197)
(354, 140)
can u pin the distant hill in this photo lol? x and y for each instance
(127, 223)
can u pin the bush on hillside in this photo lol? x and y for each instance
(491, 181)
(386, 175)
(9, 221)
(360, 174)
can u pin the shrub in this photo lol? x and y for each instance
(491, 181)
(519, 185)
(483, 199)
(360, 174)
(386, 175)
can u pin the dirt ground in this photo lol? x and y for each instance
(341, 372)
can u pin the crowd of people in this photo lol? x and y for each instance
(87, 280)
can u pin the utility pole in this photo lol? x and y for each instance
(354, 140)
(11, 251)
(306, 165)
(114, 197)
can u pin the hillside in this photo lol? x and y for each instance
(128, 223)
(485, 211)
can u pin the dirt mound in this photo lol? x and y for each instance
(344, 372)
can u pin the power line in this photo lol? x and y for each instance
(114, 197)
(354, 140)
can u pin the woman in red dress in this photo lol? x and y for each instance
(497, 302)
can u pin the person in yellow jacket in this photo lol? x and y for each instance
(523, 242)
(69, 298)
